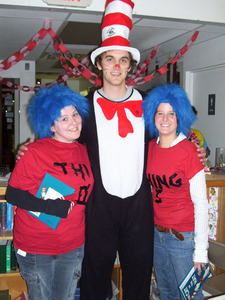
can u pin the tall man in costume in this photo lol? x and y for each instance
(119, 216)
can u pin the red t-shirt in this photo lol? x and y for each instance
(169, 171)
(68, 163)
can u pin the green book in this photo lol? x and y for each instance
(8, 256)
(3, 256)
(14, 265)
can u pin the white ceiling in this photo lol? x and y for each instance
(19, 25)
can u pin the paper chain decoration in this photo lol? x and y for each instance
(81, 68)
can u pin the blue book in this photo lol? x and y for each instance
(51, 188)
(192, 283)
(9, 216)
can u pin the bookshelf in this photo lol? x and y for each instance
(6, 235)
(11, 281)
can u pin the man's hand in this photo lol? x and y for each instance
(202, 155)
(23, 148)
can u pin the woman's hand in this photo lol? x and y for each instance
(199, 266)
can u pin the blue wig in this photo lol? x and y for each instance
(46, 106)
(177, 98)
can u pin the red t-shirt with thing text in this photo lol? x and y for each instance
(169, 171)
(69, 163)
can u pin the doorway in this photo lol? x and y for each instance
(8, 126)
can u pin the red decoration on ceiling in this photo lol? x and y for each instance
(81, 68)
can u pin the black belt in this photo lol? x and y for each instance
(160, 228)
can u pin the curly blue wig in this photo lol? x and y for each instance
(46, 106)
(177, 98)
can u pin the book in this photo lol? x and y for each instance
(192, 283)
(0, 216)
(51, 188)
(77, 292)
(3, 256)
(3, 214)
(8, 256)
(4, 295)
(14, 265)
(9, 216)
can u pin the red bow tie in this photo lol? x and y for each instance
(109, 109)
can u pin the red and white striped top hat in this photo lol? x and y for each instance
(116, 27)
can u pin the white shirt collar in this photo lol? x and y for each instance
(179, 138)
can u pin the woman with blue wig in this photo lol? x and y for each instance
(177, 178)
(50, 258)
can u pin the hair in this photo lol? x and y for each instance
(46, 106)
(194, 110)
(177, 98)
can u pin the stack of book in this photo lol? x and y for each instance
(7, 257)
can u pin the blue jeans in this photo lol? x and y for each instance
(51, 277)
(173, 259)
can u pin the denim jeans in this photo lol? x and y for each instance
(173, 259)
(51, 277)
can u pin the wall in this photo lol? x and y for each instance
(48, 78)
(159, 80)
(77, 85)
(204, 73)
(26, 78)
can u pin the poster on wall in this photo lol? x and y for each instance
(213, 212)
(211, 104)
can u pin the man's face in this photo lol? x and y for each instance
(115, 65)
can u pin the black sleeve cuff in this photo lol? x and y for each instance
(57, 207)
(25, 200)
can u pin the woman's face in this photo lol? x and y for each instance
(68, 127)
(166, 120)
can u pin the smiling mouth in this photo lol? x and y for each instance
(73, 130)
(115, 73)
